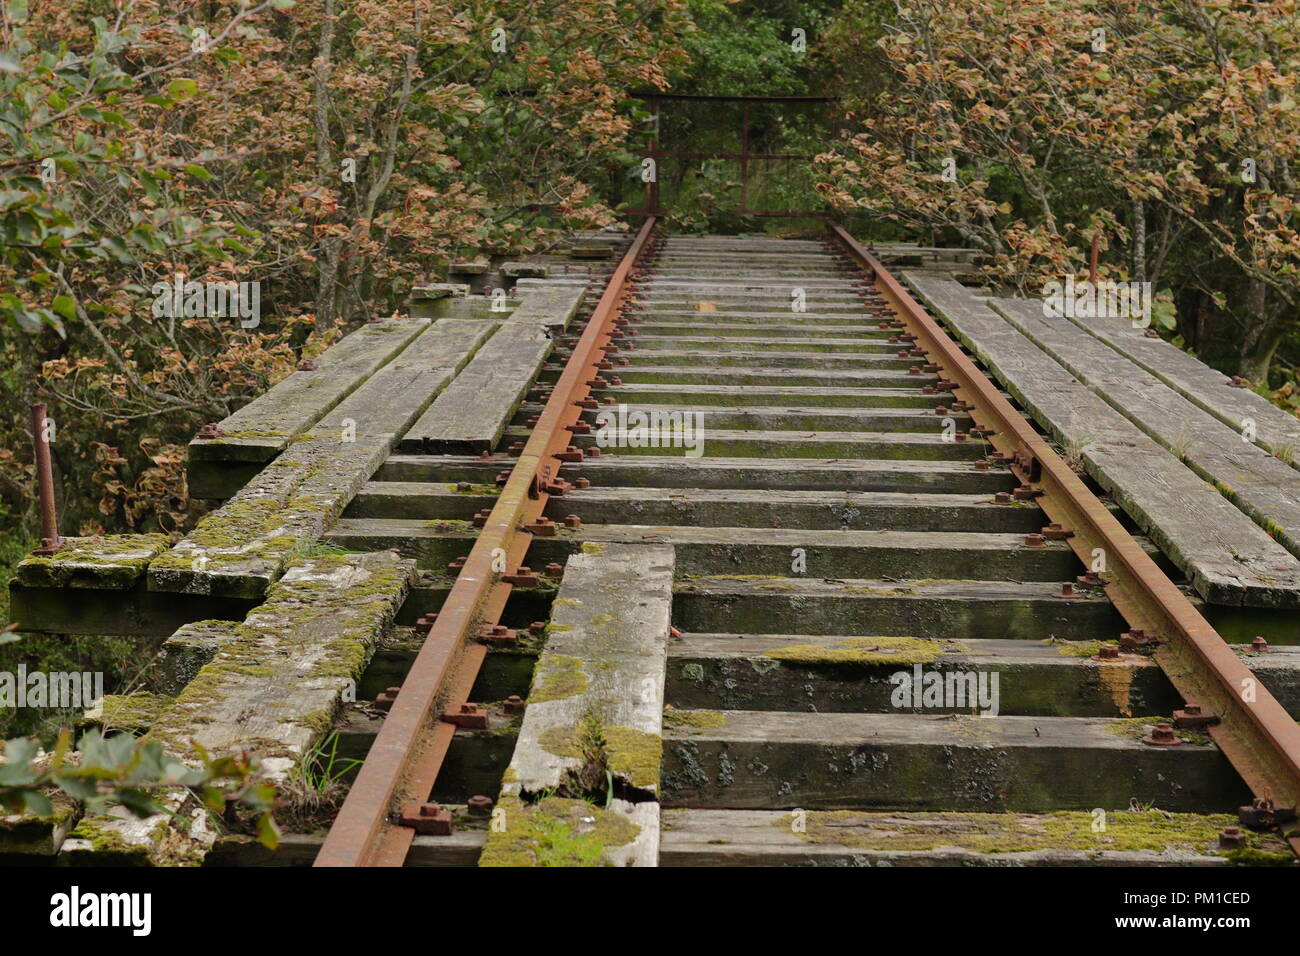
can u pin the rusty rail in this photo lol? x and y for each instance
(403, 762)
(1253, 731)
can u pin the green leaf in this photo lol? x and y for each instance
(65, 306)
(199, 173)
(182, 89)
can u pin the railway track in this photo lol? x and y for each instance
(903, 630)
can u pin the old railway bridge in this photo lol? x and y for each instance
(549, 647)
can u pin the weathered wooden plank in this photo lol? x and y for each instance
(396, 395)
(472, 412)
(1273, 429)
(104, 562)
(937, 609)
(551, 305)
(275, 686)
(864, 838)
(265, 426)
(860, 475)
(596, 703)
(767, 760)
(1228, 559)
(1254, 480)
(821, 553)
(823, 673)
(725, 507)
(242, 547)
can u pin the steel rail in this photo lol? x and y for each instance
(406, 755)
(1253, 731)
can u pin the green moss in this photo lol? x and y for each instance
(110, 562)
(693, 719)
(134, 712)
(1125, 831)
(107, 843)
(634, 755)
(591, 547)
(558, 676)
(555, 832)
(871, 651)
(1078, 648)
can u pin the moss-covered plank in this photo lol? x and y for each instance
(767, 760)
(594, 716)
(26, 838)
(396, 395)
(1228, 558)
(242, 547)
(102, 562)
(472, 412)
(275, 687)
(1123, 837)
(843, 673)
(266, 426)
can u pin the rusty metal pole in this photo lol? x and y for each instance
(51, 540)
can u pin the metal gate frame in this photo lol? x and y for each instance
(655, 100)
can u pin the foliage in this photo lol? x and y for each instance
(1141, 139)
(122, 769)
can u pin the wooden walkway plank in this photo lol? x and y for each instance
(265, 426)
(551, 305)
(1251, 478)
(242, 547)
(1227, 558)
(472, 412)
(1275, 430)
(396, 395)
(275, 686)
(597, 701)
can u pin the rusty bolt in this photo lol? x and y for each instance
(572, 521)
(537, 628)
(927, 389)
(462, 486)
(479, 806)
(959, 437)
(1162, 735)
(514, 704)
(384, 699)
(1134, 638)
(1108, 652)
(426, 819)
(1192, 716)
(425, 622)
(1089, 579)
(1259, 645)
(458, 563)
(981, 464)
(1034, 540)
(553, 570)
(1027, 493)
(940, 410)
(594, 451)
(467, 716)
(1067, 589)
(543, 527)
(480, 517)
(1002, 498)
(516, 449)
(524, 577)
(209, 431)
(914, 370)
(1230, 837)
(904, 353)
(570, 453)
(1055, 532)
(581, 483)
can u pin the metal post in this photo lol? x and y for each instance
(51, 540)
